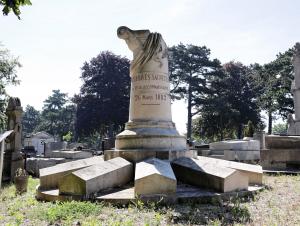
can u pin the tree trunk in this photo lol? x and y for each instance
(240, 131)
(270, 124)
(189, 122)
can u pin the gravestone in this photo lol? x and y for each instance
(103, 175)
(254, 172)
(50, 176)
(150, 125)
(13, 158)
(154, 176)
(209, 176)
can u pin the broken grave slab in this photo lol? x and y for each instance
(254, 172)
(107, 174)
(50, 176)
(154, 176)
(209, 176)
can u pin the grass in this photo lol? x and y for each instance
(278, 204)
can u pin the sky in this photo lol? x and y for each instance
(54, 38)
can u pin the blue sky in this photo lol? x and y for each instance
(54, 37)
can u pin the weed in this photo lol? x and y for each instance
(71, 210)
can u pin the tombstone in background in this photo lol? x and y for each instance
(150, 131)
(13, 158)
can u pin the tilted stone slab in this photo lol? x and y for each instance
(50, 176)
(209, 176)
(108, 174)
(254, 172)
(154, 176)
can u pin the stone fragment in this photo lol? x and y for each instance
(154, 176)
(50, 176)
(107, 174)
(254, 172)
(209, 176)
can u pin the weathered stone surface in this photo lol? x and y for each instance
(140, 155)
(241, 155)
(281, 152)
(254, 172)
(107, 174)
(69, 154)
(50, 176)
(282, 142)
(154, 176)
(235, 145)
(208, 175)
(280, 158)
(33, 165)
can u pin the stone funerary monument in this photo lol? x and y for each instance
(150, 155)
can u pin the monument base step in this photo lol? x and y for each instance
(137, 155)
(123, 196)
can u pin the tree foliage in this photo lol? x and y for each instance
(104, 96)
(31, 119)
(13, 5)
(8, 76)
(190, 67)
(273, 83)
(57, 117)
(229, 105)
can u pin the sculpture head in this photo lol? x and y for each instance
(147, 48)
(134, 39)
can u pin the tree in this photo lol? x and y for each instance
(31, 119)
(229, 105)
(13, 5)
(8, 75)
(58, 115)
(190, 67)
(273, 83)
(280, 128)
(103, 102)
